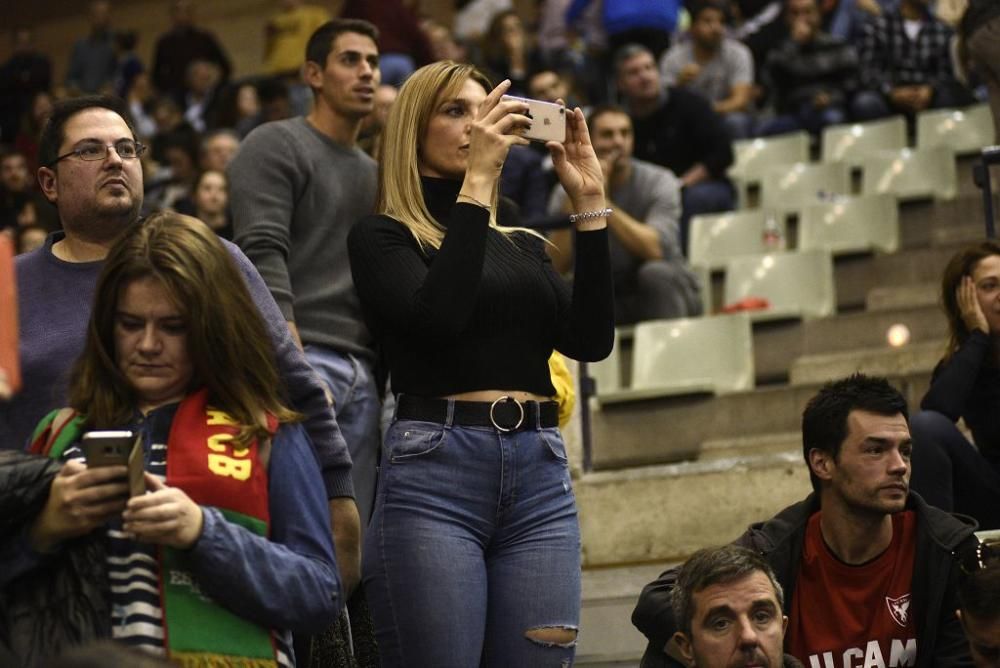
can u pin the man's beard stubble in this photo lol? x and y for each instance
(104, 224)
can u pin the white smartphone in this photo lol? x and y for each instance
(548, 120)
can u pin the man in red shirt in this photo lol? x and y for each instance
(866, 565)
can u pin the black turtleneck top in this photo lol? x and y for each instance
(485, 310)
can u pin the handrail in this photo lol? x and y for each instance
(981, 177)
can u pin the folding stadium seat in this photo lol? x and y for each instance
(715, 238)
(850, 225)
(911, 174)
(752, 156)
(787, 188)
(688, 355)
(850, 143)
(962, 131)
(704, 276)
(795, 285)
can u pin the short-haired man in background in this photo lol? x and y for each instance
(651, 278)
(181, 45)
(728, 607)
(906, 64)
(715, 65)
(677, 129)
(867, 566)
(17, 191)
(812, 76)
(296, 188)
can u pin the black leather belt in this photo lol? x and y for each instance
(504, 414)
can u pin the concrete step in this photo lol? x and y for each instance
(903, 296)
(672, 429)
(962, 233)
(778, 344)
(911, 358)
(664, 513)
(937, 222)
(743, 446)
(854, 276)
(607, 637)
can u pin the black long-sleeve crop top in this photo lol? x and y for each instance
(485, 310)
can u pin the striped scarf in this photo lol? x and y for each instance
(201, 460)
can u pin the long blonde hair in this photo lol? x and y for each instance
(400, 194)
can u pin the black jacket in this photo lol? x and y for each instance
(64, 603)
(941, 642)
(683, 132)
(978, 14)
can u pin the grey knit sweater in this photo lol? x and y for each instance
(295, 193)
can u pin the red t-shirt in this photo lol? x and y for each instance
(854, 616)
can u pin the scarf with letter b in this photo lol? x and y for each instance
(203, 461)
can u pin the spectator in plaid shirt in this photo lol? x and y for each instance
(906, 64)
(812, 75)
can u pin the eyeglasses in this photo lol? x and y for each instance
(975, 560)
(127, 149)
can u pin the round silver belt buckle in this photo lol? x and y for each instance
(493, 419)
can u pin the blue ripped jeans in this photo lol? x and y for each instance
(474, 542)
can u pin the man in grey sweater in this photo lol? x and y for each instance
(652, 278)
(297, 187)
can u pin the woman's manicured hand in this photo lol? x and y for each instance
(577, 166)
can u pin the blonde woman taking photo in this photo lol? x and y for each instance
(473, 553)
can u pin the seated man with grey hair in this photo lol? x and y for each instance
(728, 607)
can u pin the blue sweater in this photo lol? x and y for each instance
(55, 298)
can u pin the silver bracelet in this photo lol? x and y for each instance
(587, 215)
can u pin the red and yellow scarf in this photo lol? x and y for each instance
(203, 461)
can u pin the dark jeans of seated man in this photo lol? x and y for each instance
(655, 290)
